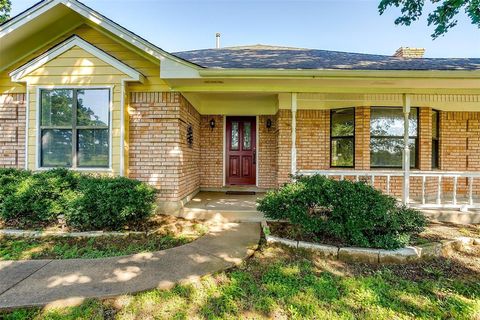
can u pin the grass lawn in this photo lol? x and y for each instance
(281, 283)
(165, 233)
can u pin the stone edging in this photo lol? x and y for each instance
(60, 234)
(377, 256)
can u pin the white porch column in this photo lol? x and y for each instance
(406, 150)
(294, 133)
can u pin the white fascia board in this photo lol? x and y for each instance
(27, 16)
(18, 74)
(170, 69)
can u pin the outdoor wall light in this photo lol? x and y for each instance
(212, 124)
(269, 123)
(190, 135)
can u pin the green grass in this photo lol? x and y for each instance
(69, 248)
(279, 283)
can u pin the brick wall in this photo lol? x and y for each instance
(190, 168)
(211, 154)
(313, 139)
(158, 151)
(362, 138)
(460, 146)
(284, 145)
(12, 131)
(425, 139)
(267, 152)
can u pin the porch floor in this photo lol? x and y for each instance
(222, 206)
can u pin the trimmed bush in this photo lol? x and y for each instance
(87, 202)
(352, 212)
(109, 203)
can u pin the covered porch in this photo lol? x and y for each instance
(229, 206)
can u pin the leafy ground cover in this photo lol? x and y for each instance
(434, 231)
(164, 232)
(280, 283)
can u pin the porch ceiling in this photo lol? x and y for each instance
(234, 103)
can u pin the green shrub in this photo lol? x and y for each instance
(109, 203)
(35, 198)
(88, 202)
(353, 212)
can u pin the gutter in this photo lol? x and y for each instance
(329, 73)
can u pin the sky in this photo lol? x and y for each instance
(341, 25)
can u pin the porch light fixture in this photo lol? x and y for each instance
(269, 123)
(212, 124)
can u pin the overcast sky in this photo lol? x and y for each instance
(343, 25)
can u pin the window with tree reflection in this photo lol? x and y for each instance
(342, 137)
(74, 127)
(387, 137)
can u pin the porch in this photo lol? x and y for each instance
(224, 205)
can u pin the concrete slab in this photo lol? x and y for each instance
(233, 246)
(363, 255)
(327, 251)
(219, 201)
(453, 216)
(13, 272)
(402, 255)
(64, 282)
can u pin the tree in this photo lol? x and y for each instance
(443, 17)
(5, 8)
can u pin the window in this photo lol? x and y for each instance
(386, 137)
(342, 137)
(435, 139)
(74, 128)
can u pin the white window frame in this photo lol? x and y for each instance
(38, 137)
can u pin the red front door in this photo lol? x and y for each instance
(241, 151)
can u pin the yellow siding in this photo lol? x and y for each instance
(76, 68)
(84, 72)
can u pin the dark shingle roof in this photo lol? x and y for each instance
(269, 57)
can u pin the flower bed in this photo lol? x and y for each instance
(407, 254)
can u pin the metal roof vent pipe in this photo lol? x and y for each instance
(217, 40)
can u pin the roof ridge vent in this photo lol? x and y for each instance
(411, 53)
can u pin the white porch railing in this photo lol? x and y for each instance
(428, 189)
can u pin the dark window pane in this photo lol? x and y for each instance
(93, 148)
(343, 122)
(56, 148)
(93, 107)
(235, 135)
(342, 152)
(389, 122)
(435, 154)
(247, 136)
(56, 107)
(434, 124)
(387, 152)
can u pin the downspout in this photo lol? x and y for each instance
(406, 149)
(294, 133)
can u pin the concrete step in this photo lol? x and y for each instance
(221, 215)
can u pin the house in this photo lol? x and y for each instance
(78, 90)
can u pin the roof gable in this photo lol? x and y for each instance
(75, 41)
(8, 29)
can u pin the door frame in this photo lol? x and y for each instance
(224, 148)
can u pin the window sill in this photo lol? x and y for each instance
(76, 169)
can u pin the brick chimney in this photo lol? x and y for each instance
(406, 52)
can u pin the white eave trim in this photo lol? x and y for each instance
(97, 19)
(75, 41)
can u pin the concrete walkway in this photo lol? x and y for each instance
(69, 282)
